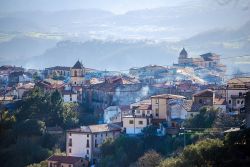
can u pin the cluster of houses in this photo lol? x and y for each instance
(127, 103)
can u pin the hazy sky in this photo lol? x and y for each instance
(115, 6)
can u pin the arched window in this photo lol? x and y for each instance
(75, 73)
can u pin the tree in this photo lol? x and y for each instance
(208, 152)
(225, 120)
(204, 119)
(70, 115)
(30, 127)
(149, 159)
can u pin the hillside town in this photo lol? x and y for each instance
(127, 103)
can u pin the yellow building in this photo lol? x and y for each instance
(77, 74)
(160, 106)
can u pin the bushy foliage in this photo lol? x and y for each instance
(207, 152)
(149, 159)
(232, 151)
(23, 153)
(30, 127)
(121, 152)
(23, 139)
(205, 119)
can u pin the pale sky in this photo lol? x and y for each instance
(115, 6)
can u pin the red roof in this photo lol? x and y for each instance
(64, 159)
(205, 93)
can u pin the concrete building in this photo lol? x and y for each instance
(133, 124)
(66, 161)
(205, 97)
(112, 114)
(235, 90)
(207, 60)
(160, 106)
(86, 141)
(69, 96)
(57, 71)
(77, 74)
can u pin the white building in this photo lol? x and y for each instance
(69, 96)
(134, 124)
(86, 141)
(112, 114)
(236, 88)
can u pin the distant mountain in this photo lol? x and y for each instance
(19, 49)
(102, 55)
(229, 42)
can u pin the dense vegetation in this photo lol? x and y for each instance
(206, 145)
(232, 151)
(23, 136)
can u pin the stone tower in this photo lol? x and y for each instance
(183, 57)
(77, 74)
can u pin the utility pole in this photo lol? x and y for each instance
(184, 136)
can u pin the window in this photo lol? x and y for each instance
(140, 122)
(87, 143)
(96, 145)
(157, 112)
(200, 101)
(87, 135)
(69, 165)
(148, 112)
(75, 73)
(69, 134)
(242, 102)
(131, 122)
(156, 101)
(70, 99)
(50, 164)
(240, 93)
(70, 150)
(238, 102)
(106, 134)
(229, 101)
(95, 135)
(87, 151)
(70, 142)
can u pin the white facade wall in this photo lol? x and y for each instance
(235, 103)
(79, 145)
(70, 98)
(222, 108)
(112, 114)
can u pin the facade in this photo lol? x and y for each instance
(160, 106)
(23, 88)
(115, 91)
(69, 96)
(112, 114)
(66, 161)
(205, 97)
(57, 71)
(235, 90)
(220, 104)
(85, 141)
(134, 124)
(207, 60)
(179, 109)
(77, 74)
(50, 85)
